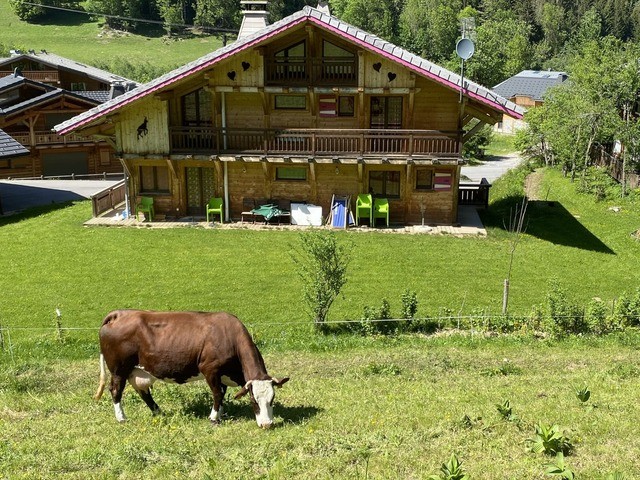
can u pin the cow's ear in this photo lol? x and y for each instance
(279, 383)
(244, 390)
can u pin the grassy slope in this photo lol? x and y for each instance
(251, 272)
(77, 37)
(394, 408)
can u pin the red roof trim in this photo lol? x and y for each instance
(415, 68)
(172, 80)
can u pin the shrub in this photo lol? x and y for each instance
(597, 317)
(372, 320)
(562, 317)
(322, 266)
(598, 183)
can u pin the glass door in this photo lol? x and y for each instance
(200, 189)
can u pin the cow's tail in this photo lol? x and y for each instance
(103, 379)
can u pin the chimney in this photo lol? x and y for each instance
(117, 89)
(254, 16)
(323, 6)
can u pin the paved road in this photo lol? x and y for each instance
(17, 195)
(491, 169)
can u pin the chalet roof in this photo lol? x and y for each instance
(49, 93)
(324, 21)
(58, 62)
(9, 147)
(530, 83)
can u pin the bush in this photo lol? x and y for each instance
(562, 317)
(372, 321)
(598, 183)
(322, 266)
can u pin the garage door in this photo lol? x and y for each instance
(54, 164)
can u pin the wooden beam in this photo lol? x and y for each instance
(313, 183)
(164, 96)
(473, 131)
(490, 117)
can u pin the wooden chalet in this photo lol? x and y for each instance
(37, 91)
(301, 110)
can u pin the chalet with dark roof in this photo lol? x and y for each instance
(33, 100)
(526, 89)
(301, 110)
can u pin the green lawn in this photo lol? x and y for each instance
(356, 407)
(77, 37)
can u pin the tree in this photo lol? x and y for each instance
(502, 49)
(380, 18)
(430, 28)
(34, 10)
(322, 266)
(217, 13)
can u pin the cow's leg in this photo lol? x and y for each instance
(117, 387)
(141, 382)
(148, 399)
(218, 396)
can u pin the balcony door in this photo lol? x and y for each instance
(386, 113)
(200, 189)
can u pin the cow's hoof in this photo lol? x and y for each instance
(215, 422)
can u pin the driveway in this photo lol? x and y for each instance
(491, 169)
(18, 195)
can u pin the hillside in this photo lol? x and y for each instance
(80, 38)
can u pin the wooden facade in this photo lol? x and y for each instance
(302, 114)
(52, 154)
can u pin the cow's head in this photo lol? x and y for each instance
(262, 394)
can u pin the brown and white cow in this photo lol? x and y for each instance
(145, 346)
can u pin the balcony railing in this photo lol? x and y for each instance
(313, 142)
(46, 138)
(44, 76)
(315, 71)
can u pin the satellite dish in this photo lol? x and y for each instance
(465, 48)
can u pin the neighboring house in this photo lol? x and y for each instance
(37, 93)
(9, 149)
(526, 89)
(62, 72)
(303, 109)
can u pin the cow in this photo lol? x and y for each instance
(143, 346)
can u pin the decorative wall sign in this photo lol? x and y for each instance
(442, 181)
(231, 75)
(142, 129)
(377, 66)
(245, 66)
(327, 106)
(391, 76)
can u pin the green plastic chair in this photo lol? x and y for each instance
(146, 206)
(381, 209)
(215, 207)
(364, 204)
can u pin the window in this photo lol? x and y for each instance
(290, 63)
(290, 102)
(386, 112)
(424, 179)
(346, 106)
(196, 109)
(385, 183)
(154, 180)
(291, 173)
(78, 87)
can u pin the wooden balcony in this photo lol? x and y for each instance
(313, 142)
(47, 138)
(45, 76)
(329, 71)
